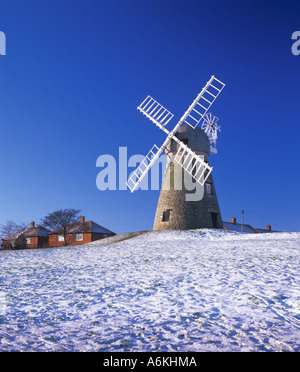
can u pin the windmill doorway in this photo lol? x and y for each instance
(214, 219)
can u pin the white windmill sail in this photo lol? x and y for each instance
(203, 102)
(154, 111)
(192, 163)
(160, 116)
(184, 156)
(136, 176)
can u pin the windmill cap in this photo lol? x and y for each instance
(196, 139)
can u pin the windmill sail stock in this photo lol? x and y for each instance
(160, 116)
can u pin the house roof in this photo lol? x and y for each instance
(264, 230)
(85, 227)
(29, 233)
(238, 227)
(246, 228)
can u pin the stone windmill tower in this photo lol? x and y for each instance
(192, 207)
(188, 198)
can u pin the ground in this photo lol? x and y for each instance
(200, 290)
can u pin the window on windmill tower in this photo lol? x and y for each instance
(208, 188)
(166, 215)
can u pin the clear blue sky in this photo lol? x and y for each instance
(75, 70)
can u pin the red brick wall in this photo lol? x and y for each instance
(38, 242)
(44, 242)
(87, 238)
(6, 245)
(35, 242)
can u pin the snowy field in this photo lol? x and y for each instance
(199, 290)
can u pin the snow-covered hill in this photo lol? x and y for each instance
(201, 290)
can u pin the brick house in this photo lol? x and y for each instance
(36, 237)
(235, 226)
(80, 232)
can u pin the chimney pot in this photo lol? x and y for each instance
(269, 227)
(32, 224)
(233, 220)
(82, 219)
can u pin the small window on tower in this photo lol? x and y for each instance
(166, 215)
(208, 188)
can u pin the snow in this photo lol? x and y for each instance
(199, 290)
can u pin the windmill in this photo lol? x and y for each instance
(186, 157)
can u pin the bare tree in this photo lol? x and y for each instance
(10, 228)
(20, 242)
(61, 222)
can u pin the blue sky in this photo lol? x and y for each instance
(76, 70)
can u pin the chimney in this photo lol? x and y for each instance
(82, 219)
(233, 220)
(269, 227)
(32, 224)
